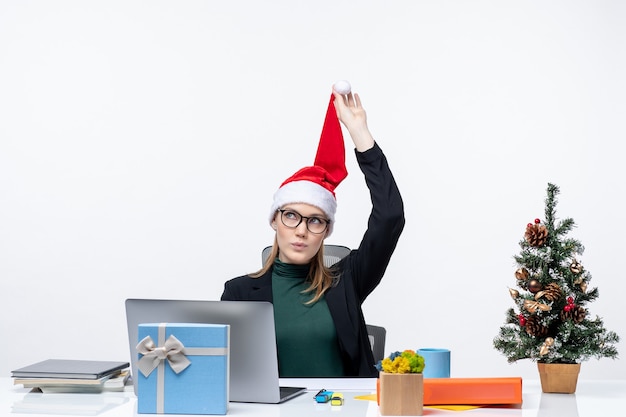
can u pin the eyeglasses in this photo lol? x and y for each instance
(292, 219)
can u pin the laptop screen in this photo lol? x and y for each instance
(253, 358)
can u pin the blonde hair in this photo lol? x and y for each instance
(320, 277)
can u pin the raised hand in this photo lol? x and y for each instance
(353, 116)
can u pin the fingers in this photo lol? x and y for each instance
(350, 100)
(353, 101)
(344, 98)
(339, 99)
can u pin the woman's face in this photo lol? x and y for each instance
(298, 245)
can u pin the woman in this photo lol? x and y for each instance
(320, 328)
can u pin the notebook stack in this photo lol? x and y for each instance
(67, 375)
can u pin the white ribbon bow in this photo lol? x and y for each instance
(153, 355)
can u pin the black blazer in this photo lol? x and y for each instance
(359, 273)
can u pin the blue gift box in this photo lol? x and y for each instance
(183, 368)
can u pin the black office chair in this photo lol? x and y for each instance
(332, 255)
(377, 336)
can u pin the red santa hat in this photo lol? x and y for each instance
(315, 185)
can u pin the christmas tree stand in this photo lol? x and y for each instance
(558, 377)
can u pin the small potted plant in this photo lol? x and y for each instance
(552, 324)
(401, 384)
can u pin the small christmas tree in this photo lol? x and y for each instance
(552, 324)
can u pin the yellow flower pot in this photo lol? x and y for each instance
(401, 394)
(558, 377)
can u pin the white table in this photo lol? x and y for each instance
(592, 399)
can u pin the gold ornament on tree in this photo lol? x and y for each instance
(547, 344)
(536, 234)
(582, 283)
(534, 306)
(514, 293)
(576, 267)
(522, 274)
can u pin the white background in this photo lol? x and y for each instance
(141, 143)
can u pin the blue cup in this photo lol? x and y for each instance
(437, 362)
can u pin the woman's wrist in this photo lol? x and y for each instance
(362, 139)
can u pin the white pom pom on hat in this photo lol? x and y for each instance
(342, 87)
(315, 185)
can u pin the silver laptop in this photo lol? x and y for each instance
(253, 358)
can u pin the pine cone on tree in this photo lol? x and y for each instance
(534, 327)
(536, 234)
(576, 314)
(552, 292)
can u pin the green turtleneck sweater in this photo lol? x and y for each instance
(306, 338)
